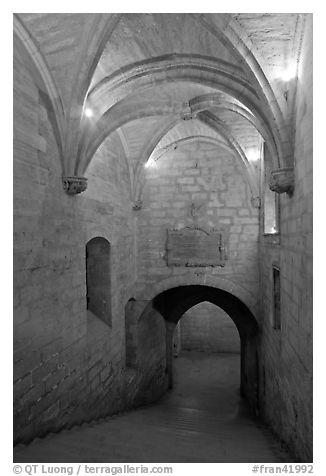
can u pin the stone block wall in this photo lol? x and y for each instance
(69, 366)
(197, 185)
(207, 328)
(286, 354)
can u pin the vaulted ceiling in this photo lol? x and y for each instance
(161, 79)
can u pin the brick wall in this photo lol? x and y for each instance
(286, 354)
(69, 366)
(207, 328)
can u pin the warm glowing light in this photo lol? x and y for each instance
(88, 112)
(150, 163)
(289, 73)
(253, 155)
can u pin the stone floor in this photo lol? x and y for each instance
(201, 420)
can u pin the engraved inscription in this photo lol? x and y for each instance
(195, 247)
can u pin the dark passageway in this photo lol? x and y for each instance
(174, 302)
(203, 419)
(208, 382)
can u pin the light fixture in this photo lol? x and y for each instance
(88, 112)
(253, 155)
(150, 163)
(289, 72)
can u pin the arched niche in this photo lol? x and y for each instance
(98, 279)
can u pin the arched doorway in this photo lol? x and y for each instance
(173, 303)
(206, 328)
(206, 362)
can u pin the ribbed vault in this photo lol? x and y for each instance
(132, 70)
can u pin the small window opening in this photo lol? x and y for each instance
(270, 199)
(98, 278)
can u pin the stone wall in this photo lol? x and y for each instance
(69, 366)
(198, 185)
(207, 328)
(286, 354)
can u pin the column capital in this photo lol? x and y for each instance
(282, 180)
(74, 185)
(137, 205)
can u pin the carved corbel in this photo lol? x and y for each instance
(282, 180)
(74, 185)
(137, 205)
(187, 113)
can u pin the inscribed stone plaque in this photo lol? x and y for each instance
(195, 247)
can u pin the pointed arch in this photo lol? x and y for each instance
(233, 147)
(94, 44)
(174, 301)
(227, 30)
(211, 120)
(44, 80)
(187, 68)
(139, 188)
(207, 101)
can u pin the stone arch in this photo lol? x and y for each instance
(99, 231)
(206, 328)
(151, 145)
(96, 230)
(205, 116)
(232, 147)
(193, 69)
(200, 106)
(123, 154)
(197, 105)
(93, 47)
(175, 301)
(42, 76)
(237, 152)
(217, 282)
(207, 101)
(123, 82)
(230, 32)
(107, 126)
(205, 138)
(216, 124)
